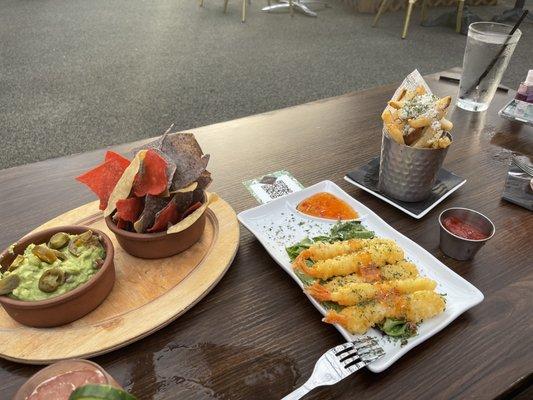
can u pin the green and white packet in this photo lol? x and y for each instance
(272, 186)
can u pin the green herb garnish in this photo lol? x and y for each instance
(340, 231)
(398, 328)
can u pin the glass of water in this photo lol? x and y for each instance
(488, 46)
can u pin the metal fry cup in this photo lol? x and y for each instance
(408, 173)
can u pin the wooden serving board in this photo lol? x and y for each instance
(148, 294)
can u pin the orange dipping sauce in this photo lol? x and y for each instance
(326, 205)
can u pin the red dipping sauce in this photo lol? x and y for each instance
(463, 229)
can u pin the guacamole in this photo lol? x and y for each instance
(54, 268)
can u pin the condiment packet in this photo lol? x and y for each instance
(517, 110)
(518, 189)
(272, 186)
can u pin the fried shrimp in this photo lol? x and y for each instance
(324, 250)
(349, 257)
(340, 265)
(413, 307)
(357, 292)
(398, 271)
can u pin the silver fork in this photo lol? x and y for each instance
(523, 165)
(338, 363)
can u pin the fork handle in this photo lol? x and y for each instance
(300, 392)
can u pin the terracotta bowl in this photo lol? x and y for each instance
(160, 244)
(69, 306)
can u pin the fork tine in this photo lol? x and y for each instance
(343, 348)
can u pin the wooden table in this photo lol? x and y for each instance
(255, 335)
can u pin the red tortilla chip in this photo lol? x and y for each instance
(102, 179)
(129, 209)
(167, 216)
(111, 155)
(152, 176)
(191, 209)
(121, 224)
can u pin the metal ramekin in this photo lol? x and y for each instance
(458, 247)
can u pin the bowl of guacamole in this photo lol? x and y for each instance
(55, 276)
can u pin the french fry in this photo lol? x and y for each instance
(413, 136)
(444, 142)
(402, 94)
(420, 90)
(409, 94)
(387, 117)
(396, 104)
(424, 141)
(446, 125)
(443, 103)
(419, 122)
(395, 133)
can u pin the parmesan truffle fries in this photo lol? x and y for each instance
(417, 118)
(367, 283)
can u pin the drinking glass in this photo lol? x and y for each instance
(488, 46)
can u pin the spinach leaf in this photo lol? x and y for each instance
(398, 328)
(294, 250)
(306, 279)
(349, 230)
(340, 231)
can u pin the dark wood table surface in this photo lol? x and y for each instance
(256, 335)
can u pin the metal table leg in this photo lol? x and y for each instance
(302, 6)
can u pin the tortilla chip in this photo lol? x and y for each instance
(204, 180)
(121, 224)
(173, 211)
(192, 218)
(129, 209)
(123, 187)
(185, 153)
(152, 175)
(111, 155)
(152, 205)
(102, 179)
(191, 209)
(191, 188)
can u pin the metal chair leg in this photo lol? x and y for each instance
(244, 10)
(407, 18)
(201, 3)
(268, 1)
(380, 11)
(291, 8)
(460, 6)
(423, 12)
(225, 6)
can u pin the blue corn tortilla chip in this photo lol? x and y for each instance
(152, 205)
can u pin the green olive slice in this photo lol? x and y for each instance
(59, 255)
(84, 237)
(8, 283)
(59, 240)
(19, 259)
(80, 240)
(44, 253)
(51, 279)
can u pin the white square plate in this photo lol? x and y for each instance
(278, 224)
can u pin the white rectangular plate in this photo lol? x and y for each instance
(278, 224)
